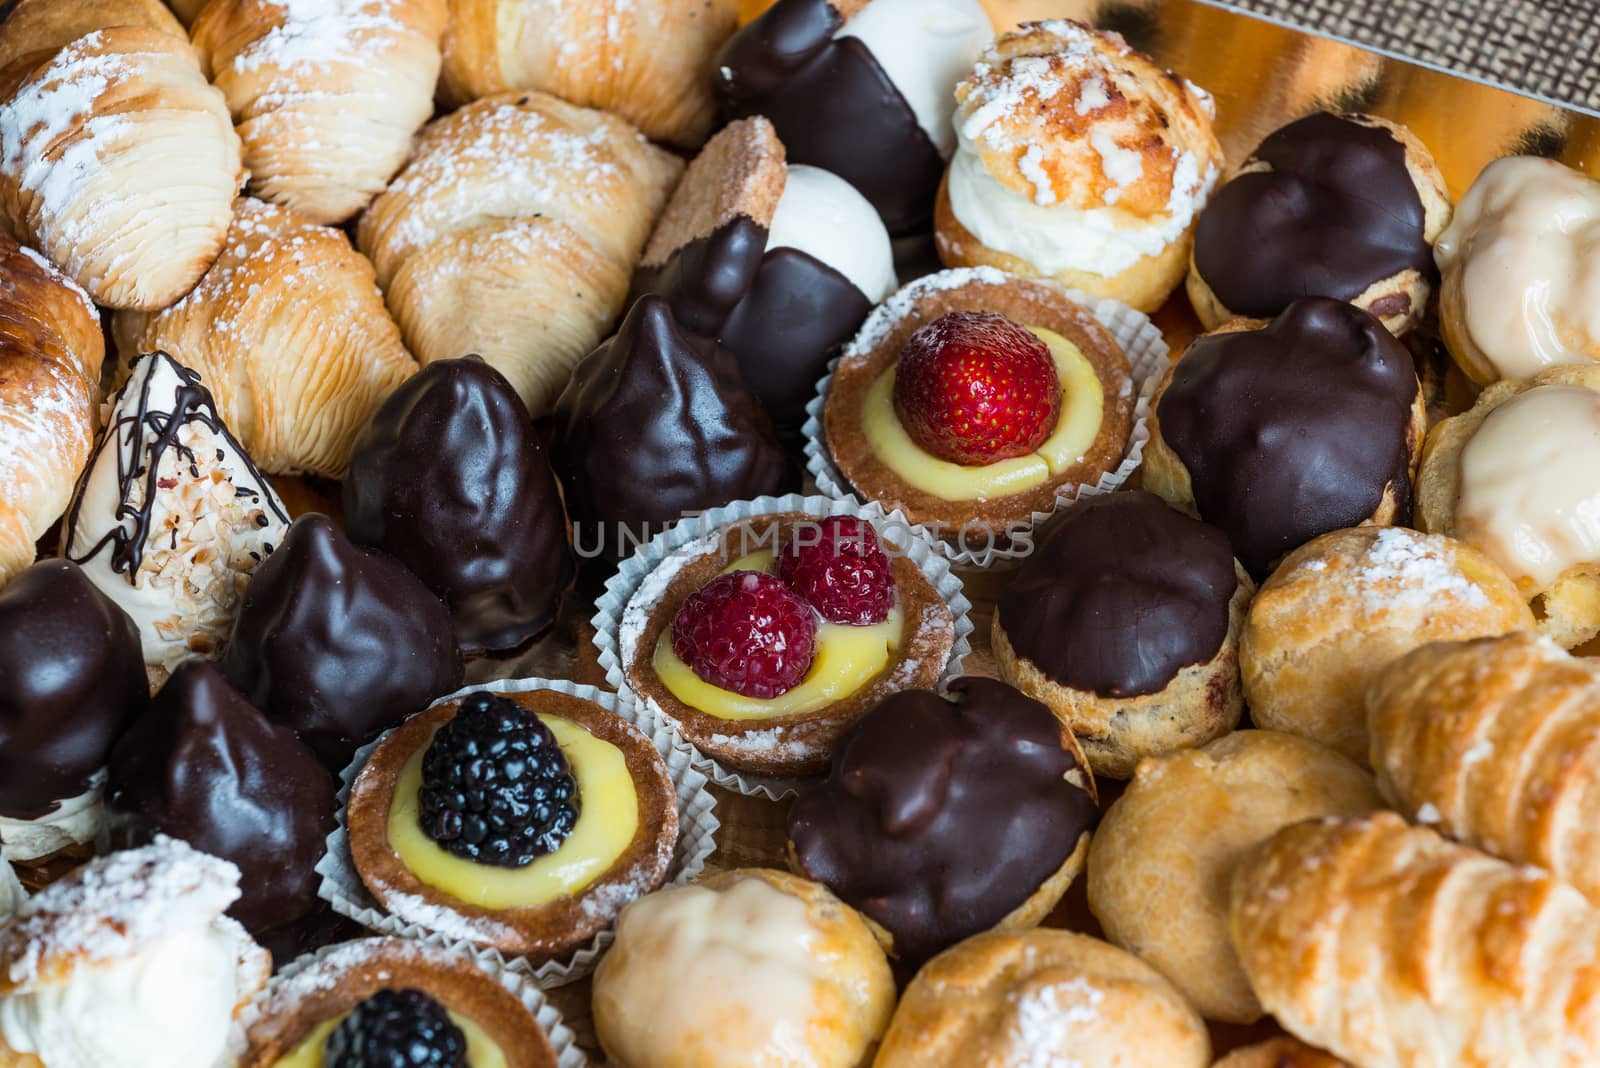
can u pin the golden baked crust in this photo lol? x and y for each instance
(545, 931)
(1345, 604)
(1000, 1000)
(1161, 860)
(1279, 1053)
(741, 171)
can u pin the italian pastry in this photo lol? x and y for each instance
(289, 334)
(75, 679)
(522, 822)
(51, 353)
(1332, 205)
(861, 88)
(338, 642)
(1042, 997)
(1388, 946)
(393, 1001)
(12, 895)
(1278, 432)
(513, 231)
(128, 962)
(1520, 282)
(171, 516)
(451, 480)
(1125, 621)
(325, 97)
(971, 398)
(1342, 606)
(1518, 477)
(1160, 863)
(93, 99)
(1079, 160)
(1492, 742)
(779, 263)
(945, 817)
(742, 969)
(645, 60)
(1279, 1053)
(763, 641)
(204, 767)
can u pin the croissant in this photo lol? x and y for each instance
(50, 356)
(289, 332)
(326, 98)
(646, 60)
(117, 159)
(513, 234)
(1390, 947)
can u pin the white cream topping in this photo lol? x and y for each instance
(12, 895)
(925, 47)
(76, 821)
(825, 217)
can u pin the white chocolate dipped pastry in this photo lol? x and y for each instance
(12, 895)
(824, 216)
(75, 823)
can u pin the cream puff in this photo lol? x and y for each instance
(1280, 1053)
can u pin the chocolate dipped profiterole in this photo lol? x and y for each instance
(943, 817)
(1125, 622)
(1340, 206)
(1277, 432)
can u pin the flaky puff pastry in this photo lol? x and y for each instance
(117, 158)
(1496, 743)
(1391, 947)
(289, 332)
(51, 350)
(646, 60)
(1014, 1000)
(513, 234)
(1279, 1053)
(326, 96)
(1345, 604)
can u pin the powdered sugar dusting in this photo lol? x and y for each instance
(1414, 573)
(1045, 1019)
(903, 303)
(319, 33)
(61, 279)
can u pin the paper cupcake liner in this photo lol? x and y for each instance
(342, 887)
(562, 1040)
(631, 594)
(1148, 358)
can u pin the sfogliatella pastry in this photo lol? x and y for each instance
(1521, 288)
(394, 1001)
(1332, 205)
(742, 969)
(512, 233)
(942, 818)
(762, 642)
(171, 517)
(522, 822)
(1518, 476)
(970, 398)
(127, 963)
(117, 158)
(1044, 997)
(205, 767)
(1160, 863)
(289, 334)
(1280, 1053)
(1277, 432)
(451, 479)
(1343, 606)
(338, 642)
(780, 263)
(1125, 621)
(1079, 160)
(74, 680)
(1390, 947)
(860, 88)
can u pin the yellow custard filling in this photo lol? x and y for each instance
(608, 818)
(481, 1049)
(1082, 406)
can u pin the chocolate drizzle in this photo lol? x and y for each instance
(1122, 594)
(1337, 212)
(940, 816)
(1294, 429)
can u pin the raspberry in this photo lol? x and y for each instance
(746, 632)
(838, 566)
(397, 1029)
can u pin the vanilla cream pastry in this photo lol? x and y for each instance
(75, 822)
(823, 216)
(171, 516)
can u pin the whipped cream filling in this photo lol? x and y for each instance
(824, 216)
(76, 821)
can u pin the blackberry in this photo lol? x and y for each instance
(496, 788)
(397, 1029)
